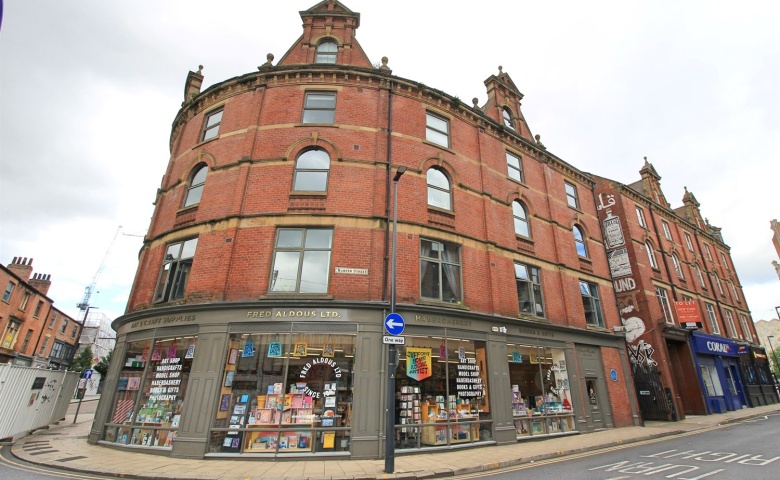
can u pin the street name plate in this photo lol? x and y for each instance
(392, 340)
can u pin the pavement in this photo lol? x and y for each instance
(64, 446)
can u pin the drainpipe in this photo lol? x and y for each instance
(386, 258)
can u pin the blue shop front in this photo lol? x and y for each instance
(719, 373)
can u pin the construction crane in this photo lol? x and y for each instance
(84, 305)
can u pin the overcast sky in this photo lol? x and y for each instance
(89, 90)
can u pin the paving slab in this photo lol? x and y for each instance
(64, 446)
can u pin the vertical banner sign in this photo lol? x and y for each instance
(418, 363)
(249, 349)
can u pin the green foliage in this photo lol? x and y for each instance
(102, 366)
(773, 361)
(82, 361)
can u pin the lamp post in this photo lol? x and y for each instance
(81, 395)
(392, 352)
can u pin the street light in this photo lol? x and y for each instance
(392, 352)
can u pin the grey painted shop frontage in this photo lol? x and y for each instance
(309, 379)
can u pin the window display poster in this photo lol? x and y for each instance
(232, 356)
(229, 378)
(468, 382)
(225, 403)
(418, 363)
(300, 349)
(157, 354)
(134, 383)
(190, 351)
(330, 389)
(328, 350)
(275, 349)
(249, 349)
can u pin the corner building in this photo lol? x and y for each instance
(691, 340)
(255, 322)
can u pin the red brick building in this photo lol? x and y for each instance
(691, 339)
(255, 322)
(34, 332)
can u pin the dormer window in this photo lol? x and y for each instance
(326, 52)
(507, 118)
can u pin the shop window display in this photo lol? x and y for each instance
(541, 400)
(285, 393)
(150, 392)
(441, 393)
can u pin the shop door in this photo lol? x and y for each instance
(735, 391)
(593, 400)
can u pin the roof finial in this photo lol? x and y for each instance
(269, 61)
(384, 66)
(500, 70)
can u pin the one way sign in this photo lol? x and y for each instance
(394, 324)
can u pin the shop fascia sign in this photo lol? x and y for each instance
(715, 346)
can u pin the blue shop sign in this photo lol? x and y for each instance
(713, 345)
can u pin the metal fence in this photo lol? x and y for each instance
(32, 398)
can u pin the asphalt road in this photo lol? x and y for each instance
(748, 450)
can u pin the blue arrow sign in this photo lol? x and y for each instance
(88, 373)
(394, 324)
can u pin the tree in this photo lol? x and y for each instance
(102, 366)
(82, 361)
(773, 360)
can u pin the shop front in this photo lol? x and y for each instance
(284, 382)
(754, 367)
(719, 372)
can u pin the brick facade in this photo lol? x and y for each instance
(29, 323)
(250, 132)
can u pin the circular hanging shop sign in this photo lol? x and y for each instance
(613, 375)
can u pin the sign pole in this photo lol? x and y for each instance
(392, 352)
(82, 389)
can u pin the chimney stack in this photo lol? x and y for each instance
(41, 282)
(22, 267)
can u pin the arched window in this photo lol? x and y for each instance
(717, 282)
(734, 291)
(677, 267)
(326, 52)
(508, 118)
(579, 241)
(521, 219)
(651, 255)
(195, 189)
(701, 277)
(439, 194)
(311, 171)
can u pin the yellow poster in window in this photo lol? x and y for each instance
(328, 439)
(300, 349)
(418, 363)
